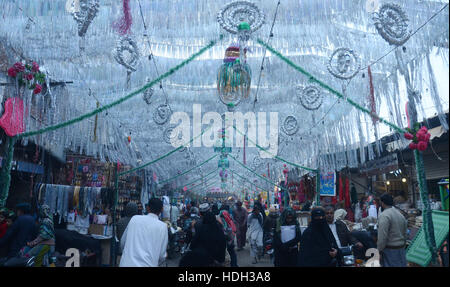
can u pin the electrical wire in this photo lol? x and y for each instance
(264, 56)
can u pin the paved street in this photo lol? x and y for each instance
(243, 259)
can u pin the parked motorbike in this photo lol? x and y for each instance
(347, 254)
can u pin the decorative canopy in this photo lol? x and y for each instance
(79, 42)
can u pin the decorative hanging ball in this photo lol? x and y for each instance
(233, 78)
(129, 139)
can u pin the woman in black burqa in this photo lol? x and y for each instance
(211, 238)
(318, 247)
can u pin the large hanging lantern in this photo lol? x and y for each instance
(233, 77)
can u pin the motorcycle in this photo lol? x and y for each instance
(347, 254)
(268, 244)
(18, 262)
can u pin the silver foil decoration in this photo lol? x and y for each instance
(162, 114)
(257, 161)
(392, 24)
(126, 53)
(230, 16)
(87, 13)
(169, 136)
(310, 97)
(290, 125)
(147, 94)
(343, 63)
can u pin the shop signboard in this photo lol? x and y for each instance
(328, 184)
(381, 165)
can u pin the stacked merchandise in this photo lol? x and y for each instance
(130, 187)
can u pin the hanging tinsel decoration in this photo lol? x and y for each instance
(343, 63)
(233, 78)
(392, 24)
(290, 125)
(147, 94)
(310, 97)
(168, 134)
(126, 53)
(234, 13)
(87, 12)
(162, 114)
(257, 161)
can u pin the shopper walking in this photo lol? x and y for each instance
(209, 235)
(240, 219)
(286, 239)
(255, 233)
(229, 229)
(392, 228)
(145, 239)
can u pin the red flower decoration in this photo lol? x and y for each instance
(408, 136)
(29, 77)
(12, 72)
(422, 145)
(37, 89)
(413, 146)
(35, 67)
(19, 67)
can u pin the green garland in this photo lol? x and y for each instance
(123, 99)
(275, 156)
(189, 170)
(5, 178)
(252, 171)
(427, 217)
(325, 86)
(198, 179)
(246, 179)
(163, 156)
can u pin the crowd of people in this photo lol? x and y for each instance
(214, 228)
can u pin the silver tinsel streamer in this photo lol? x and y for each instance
(435, 95)
(230, 16)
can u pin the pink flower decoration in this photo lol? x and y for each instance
(420, 136)
(422, 146)
(424, 128)
(19, 67)
(37, 89)
(427, 137)
(29, 77)
(408, 136)
(413, 146)
(12, 72)
(35, 67)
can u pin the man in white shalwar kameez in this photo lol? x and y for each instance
(144, 241)
(255, 233)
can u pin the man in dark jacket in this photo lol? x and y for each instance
(318, 247)
(339, 229)
(240, 219)
(23, 230)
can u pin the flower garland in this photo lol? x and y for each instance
(420, 137)
(28, 75)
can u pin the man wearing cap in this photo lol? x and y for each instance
(392, 234)
(203, 208)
